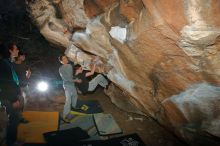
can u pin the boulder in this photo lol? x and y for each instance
(162, 57)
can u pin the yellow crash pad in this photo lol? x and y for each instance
(39, 123)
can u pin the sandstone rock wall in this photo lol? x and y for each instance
(159, 55)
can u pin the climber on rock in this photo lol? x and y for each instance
(86, 85)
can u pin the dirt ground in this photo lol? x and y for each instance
(150, 131)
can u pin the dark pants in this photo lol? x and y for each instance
(14, 118)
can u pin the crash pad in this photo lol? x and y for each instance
(125, 140)
(87, 107)
(85, 122)
(39, 123)
(67, 136)
(106, 124)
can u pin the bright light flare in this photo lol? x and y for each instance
(42, 86)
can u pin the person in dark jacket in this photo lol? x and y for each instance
(22, 69)
(9, 93)
(23, 72)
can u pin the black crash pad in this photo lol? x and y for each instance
(126, 140)
(66, 136)
(87, 107)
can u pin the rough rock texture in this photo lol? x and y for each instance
(162, 57)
